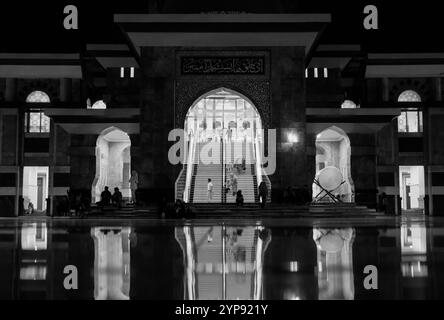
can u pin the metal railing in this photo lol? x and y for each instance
(190, 163)
(258, 163)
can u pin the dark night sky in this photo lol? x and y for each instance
(404, 26)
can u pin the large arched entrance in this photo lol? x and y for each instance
(113, 162)
(333, 149)
(224, 135)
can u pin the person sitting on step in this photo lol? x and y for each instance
(105, 198)
(117, 198)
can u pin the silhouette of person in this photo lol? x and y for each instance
(105, 197)
(117, 198)
(233, 183)
(239, 198)
(263, 192)
(134, 181)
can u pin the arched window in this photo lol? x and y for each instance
(35, 119)
(410, 119)
(409, 96)
(99, 104)
(348, 104)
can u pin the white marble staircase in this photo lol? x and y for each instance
(246, 180)
(200, 175)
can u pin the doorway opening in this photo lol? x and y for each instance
(333, 149)
(113, 163)
(225, 140)
(35, 189)
(412, 189)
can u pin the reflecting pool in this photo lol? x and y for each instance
(272, 259)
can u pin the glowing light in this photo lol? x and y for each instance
(293, 138)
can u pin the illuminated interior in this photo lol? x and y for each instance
(221, 110)
(111, 263)
(113, 163)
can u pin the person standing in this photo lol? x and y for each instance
(227, 186)
(229, 134)
(134, 181)
(239, 198)
(233, 184)
(210, 190)
(263, 192)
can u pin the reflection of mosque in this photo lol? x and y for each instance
(222, 262)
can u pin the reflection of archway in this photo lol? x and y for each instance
(111, 263)
(113, 162)
(335, 263)
(333, 148)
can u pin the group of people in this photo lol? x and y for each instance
(231, 187)
(107, 199)
(239, 166)
(116, 199)
(231, 184)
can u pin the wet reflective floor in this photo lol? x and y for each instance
(271, 259)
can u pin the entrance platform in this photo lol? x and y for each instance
(248, 211)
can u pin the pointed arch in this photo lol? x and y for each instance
(113, 162)
(336, 145)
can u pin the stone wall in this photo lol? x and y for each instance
(288, 117)
(156, 175)
(363, 167)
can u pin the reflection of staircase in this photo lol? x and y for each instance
(211, 278)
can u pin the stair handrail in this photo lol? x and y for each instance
(223, 167)
(258, 159)
(190, 159)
